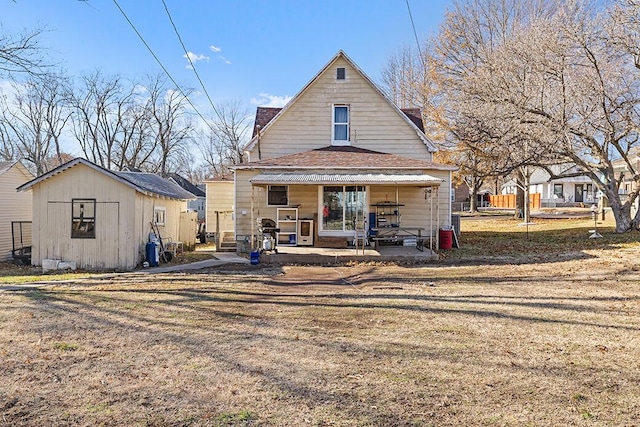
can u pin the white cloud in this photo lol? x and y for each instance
(194, 57)
(215, 49)
(266, 100)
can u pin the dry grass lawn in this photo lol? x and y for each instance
(506, 331)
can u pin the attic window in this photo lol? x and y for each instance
(341, 73)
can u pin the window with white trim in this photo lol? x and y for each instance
(159, 215)
(340, 131)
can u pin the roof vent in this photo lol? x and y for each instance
(341, 73)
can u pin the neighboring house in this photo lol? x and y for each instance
(199, 204)
(340, 153)
(627, 184)
(575, 190)
(220, 214)
(15, 206)
(101, 219)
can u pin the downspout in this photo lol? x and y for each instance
(258, 128)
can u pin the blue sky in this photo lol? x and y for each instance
(258, 52)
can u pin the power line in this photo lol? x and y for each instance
(186, 54)
(413, 25)
(162, 65)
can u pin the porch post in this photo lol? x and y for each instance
(252, 221)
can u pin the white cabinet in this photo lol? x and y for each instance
(305, 232)
(287, 219)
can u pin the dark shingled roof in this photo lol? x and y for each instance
(142, 182)
(265, 114)
(415, 115)
(156, 184)
(343, 157)
(187, 185)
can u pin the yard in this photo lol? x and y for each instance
(532, 328)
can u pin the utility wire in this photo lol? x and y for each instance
(162, 66)
(415, 34)
(193, 66)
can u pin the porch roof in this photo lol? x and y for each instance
(343, 157)
(345, 178)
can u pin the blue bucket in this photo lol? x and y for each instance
(255, 258)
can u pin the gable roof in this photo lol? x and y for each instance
(187, 185)
(6, 167)
(146, 183)
(268, 123)
(342, 157)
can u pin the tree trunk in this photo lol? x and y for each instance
(519, 196)
(621, 212)
(473, 199)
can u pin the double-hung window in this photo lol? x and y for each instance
(340, 125)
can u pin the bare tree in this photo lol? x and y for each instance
(227, 137)
(32, 120)
(569, 87)
(21, 54)
(171, 125)
(98, 106)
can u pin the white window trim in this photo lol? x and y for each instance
(163, 217)
(333, 125)
(340, 233)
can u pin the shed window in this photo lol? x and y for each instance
(340, 75)
(159, 215)
(83, 218)
(278, 195)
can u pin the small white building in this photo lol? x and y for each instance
(101, 219)
(15, 206)
(220, 206)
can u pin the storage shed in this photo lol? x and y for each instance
(15, 206)
(101, 219)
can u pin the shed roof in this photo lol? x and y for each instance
(146, 183)
(343, 157)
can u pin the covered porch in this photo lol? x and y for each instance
(389, 213)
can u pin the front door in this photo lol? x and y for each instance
(579, 193)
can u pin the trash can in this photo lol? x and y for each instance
(446, 238)
(292, 239)
(255, 258)
(153, 256)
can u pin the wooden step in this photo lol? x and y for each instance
(331, 242)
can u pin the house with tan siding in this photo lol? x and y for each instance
(220, 208)
(101, 219)
(340, 158)
(15, 207)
